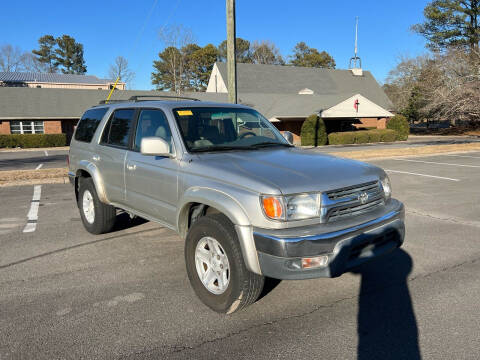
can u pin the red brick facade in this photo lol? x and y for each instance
(52, 126)
(4, 127)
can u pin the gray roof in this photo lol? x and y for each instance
(22, 102)
(19, 77)
(278, 79)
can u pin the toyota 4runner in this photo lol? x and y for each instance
(247, 203)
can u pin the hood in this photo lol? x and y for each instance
(286, 170)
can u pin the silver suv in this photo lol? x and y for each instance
(248, 204)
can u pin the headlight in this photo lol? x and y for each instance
(387, 187)
(294, 207)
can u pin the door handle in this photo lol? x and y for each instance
(96, 158)
(131, 167)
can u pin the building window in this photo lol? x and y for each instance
(26, 127)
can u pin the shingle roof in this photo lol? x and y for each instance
(277, 79)
(17, 77)
(22, 102)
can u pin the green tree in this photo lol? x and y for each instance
(46, 53)
(69, 55)
(311, 57)
(243, 52)
(265, 52)
(199, 65)
(451, 22)
(168, 70)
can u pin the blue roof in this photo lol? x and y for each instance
(18, 77)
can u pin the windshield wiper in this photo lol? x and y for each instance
(220, 148)
(269, 144)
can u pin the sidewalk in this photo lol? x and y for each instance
(65, 148)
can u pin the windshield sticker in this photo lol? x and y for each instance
(184, 112)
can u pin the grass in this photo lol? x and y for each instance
(409, 151)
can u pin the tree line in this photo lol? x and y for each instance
(444, 83)
(183, 65)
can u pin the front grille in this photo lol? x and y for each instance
(346, 202)
(350, 191)
(338, 214)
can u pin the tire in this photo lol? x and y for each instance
(102, 218)
(244, 286)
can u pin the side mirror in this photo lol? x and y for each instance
(288, 136)
(154, 146)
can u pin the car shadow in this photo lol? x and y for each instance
(387, 327)
(124, 221)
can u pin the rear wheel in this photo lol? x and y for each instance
(97, 217)
(215, 266)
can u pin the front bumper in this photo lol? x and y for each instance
(280, 252)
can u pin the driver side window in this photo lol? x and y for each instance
(152, 123)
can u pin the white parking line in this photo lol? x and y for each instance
(39, 167)
(464, 156)
(46, 153)
(438, 163)
(425, 175)
(32, 215)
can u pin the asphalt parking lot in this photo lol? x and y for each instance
(30, 160)
(68, 294)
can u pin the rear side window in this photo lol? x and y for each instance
(117, 131)
(88, 124)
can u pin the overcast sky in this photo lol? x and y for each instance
(109, 28)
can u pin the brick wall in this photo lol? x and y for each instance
(4, 127)
(52, 126)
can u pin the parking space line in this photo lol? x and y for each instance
(438, 163)
(39, 167)
(32, 216)
(424, 175)
(46, 153)
(464, 156)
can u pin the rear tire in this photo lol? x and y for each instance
(227, 291)
(97, 217)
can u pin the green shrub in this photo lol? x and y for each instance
(313, 131)
(361, 137)
(374, 136)
(32, 140)
(388, 135)
(399, 123)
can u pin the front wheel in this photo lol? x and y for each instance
(97, 217)
(215, 266)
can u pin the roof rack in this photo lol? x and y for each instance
(152, 97)
(136, 98)
(102, 102)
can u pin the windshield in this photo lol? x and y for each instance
(219, 129)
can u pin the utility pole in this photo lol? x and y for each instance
(231, 51)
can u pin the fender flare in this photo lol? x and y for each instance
(229, 207)
(92, 169)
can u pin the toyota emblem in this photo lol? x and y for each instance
(363, 198)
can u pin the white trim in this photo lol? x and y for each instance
(10, 118)
(346, 109)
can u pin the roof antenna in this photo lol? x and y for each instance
(356, 61)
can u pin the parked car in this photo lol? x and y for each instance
(247, 203)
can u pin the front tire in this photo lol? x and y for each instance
(97, 217)
(215, 266)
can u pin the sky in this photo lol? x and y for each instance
(109, 28)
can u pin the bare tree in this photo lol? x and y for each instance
(119, 69)
(174, 38)
(11, 58)
(265, 52)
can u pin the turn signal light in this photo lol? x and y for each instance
(272, 207)
(318, 261)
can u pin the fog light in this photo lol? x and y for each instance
(314, 262)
